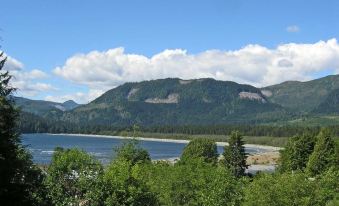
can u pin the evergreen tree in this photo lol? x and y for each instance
(235, 155)
(20, 180)
(324, 155)
(297, 152)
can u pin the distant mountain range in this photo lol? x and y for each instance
(42, 108)
(174, 101)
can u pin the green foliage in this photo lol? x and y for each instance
(130, 151)
(197, 183)
(291, 189)
(202, 148)
(20, 180)
(120, 186)
(297, 152)
(325, 154)
(72, 175)
(235, 155)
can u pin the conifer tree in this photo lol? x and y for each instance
(324, 155)
(20, 180)
(235, 155)
(297, 152)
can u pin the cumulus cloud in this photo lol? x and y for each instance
(79, 97)
(293, 29)
(25, 81)
(13, 64)
(252, 64)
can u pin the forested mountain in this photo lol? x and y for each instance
(176, 102)
(303, 97)
(43, 108)
(330, 105)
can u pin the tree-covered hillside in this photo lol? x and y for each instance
(198, 102)
(303, 97)
(42, 108)
(330, 105)
(178, 102)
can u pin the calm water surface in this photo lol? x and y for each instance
(42, 146)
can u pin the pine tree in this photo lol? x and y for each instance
(235, 155)
(20, 180)
(297, 152)
(324, 155)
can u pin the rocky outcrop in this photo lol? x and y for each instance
(171, 99)
(132, 92)
(251, 96)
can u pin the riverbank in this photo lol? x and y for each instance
(256, 146)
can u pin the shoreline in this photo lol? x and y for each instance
(255, 146)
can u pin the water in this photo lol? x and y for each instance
(42, 146)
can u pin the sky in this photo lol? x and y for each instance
(78, 49)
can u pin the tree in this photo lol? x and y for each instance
(131, 151)
(200, 148)
(297, 152)
(72, 177)
(235, 155)
(324, 155)
(279, 190)
(293, 189)
(197, 183)
(120, 186)
(20, 179)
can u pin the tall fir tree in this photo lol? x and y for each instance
(20, 180)
(324, 155)
(235, 155)
(297, 152)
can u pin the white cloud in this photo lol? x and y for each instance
(78, 97)
(252, 64)
(292, 28)
(25, 81)
(13, 64)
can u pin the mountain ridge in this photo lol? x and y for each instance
(41, 107)
(174, 101)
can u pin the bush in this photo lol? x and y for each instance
(292, 189)
(131, 151)
(201, 148)
(121, 187)
(197, 183)
(72, 177)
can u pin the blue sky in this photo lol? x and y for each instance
(43, 35)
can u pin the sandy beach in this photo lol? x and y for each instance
(266, 147)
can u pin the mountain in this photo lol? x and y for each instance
(69, 105)
(303, 97)
(330, 105)
(174, 101)
(43, 108)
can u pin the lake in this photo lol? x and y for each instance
(42, 146)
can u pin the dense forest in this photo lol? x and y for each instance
(31, 123)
